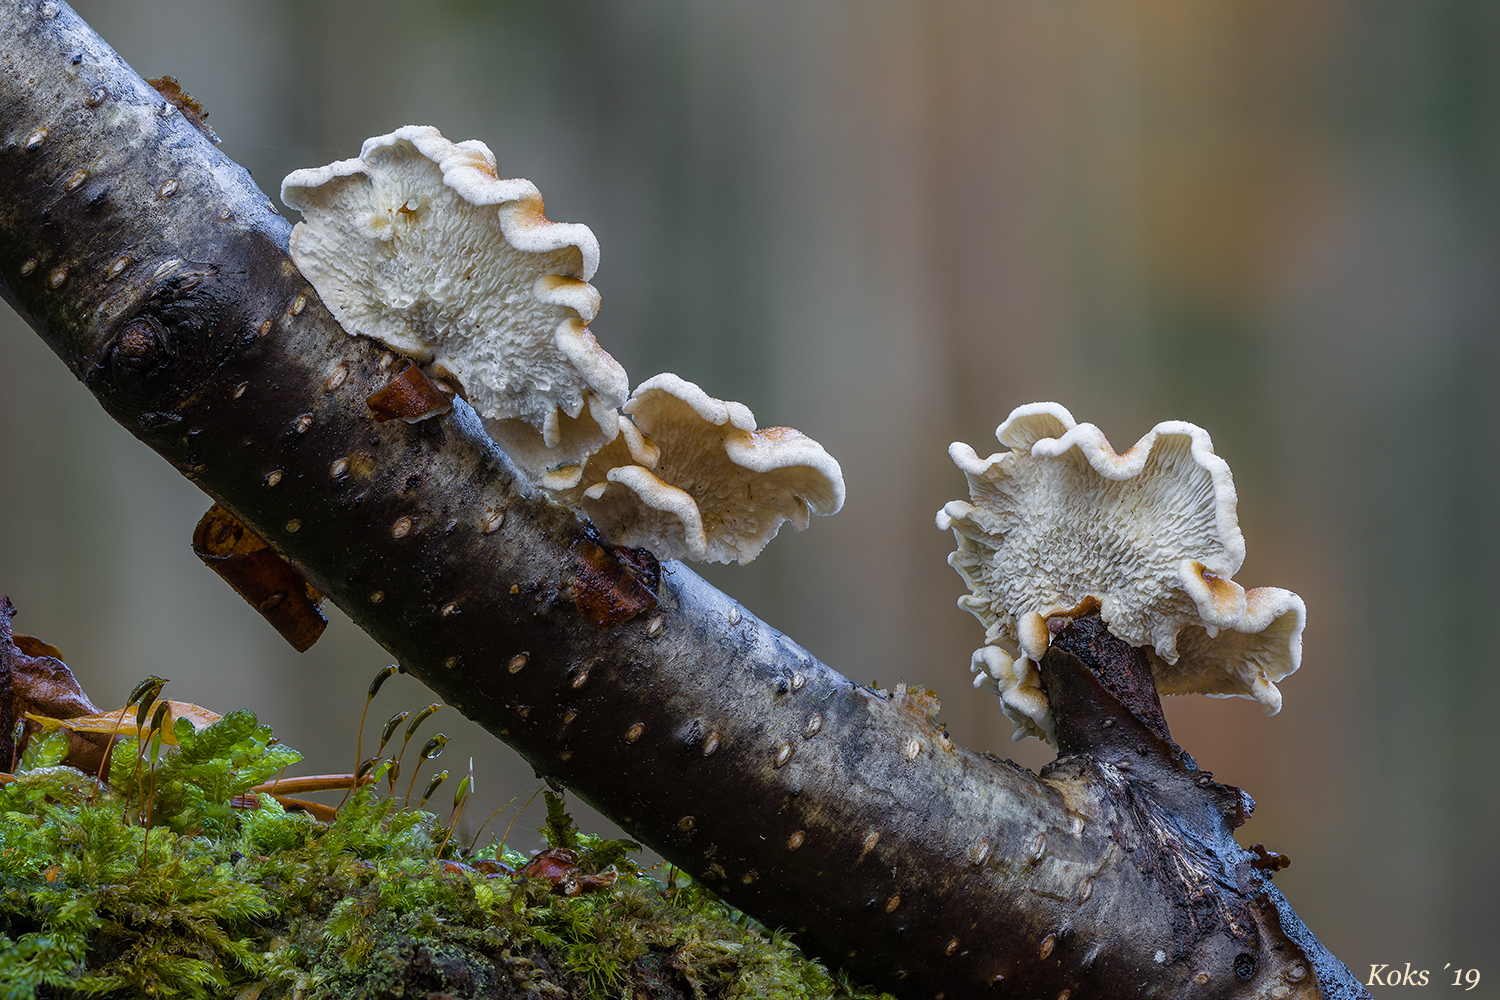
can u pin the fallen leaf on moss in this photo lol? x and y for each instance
(558, 867)
(112, 721)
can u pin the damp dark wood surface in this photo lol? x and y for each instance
(157, 271)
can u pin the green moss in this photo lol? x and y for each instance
(220, 901)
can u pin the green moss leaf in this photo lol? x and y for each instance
(559, 830)
(44, 749)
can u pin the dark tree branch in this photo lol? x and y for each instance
(157, 271)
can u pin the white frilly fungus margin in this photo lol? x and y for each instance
(1061, 524)
(692, 477)
(419, 244)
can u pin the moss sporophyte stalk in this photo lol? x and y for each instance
(227, 893)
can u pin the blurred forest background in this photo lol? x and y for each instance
(887, 224)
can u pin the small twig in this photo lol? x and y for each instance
(312, 783)
(317, 810)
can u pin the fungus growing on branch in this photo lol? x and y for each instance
(691, 477)
(419, 244)
(1060, 525)
(820, 805)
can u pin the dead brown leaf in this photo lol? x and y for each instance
(121, 722)
(558, 867)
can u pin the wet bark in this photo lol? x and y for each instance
(157, 271)
(7, 687)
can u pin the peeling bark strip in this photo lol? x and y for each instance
(267, 582)
(613, 585)
(157, 271)
(410, 396)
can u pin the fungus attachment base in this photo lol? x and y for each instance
(1118, 766)
(1122, 669)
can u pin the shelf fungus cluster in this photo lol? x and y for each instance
(690, 476)
(1060, 526)
(419, 244)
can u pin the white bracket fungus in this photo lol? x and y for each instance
(691, 477)
(1061, 525)
(419, 244)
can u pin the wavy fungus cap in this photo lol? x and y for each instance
(691, 477)
(1061, 524)
(419, 244)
